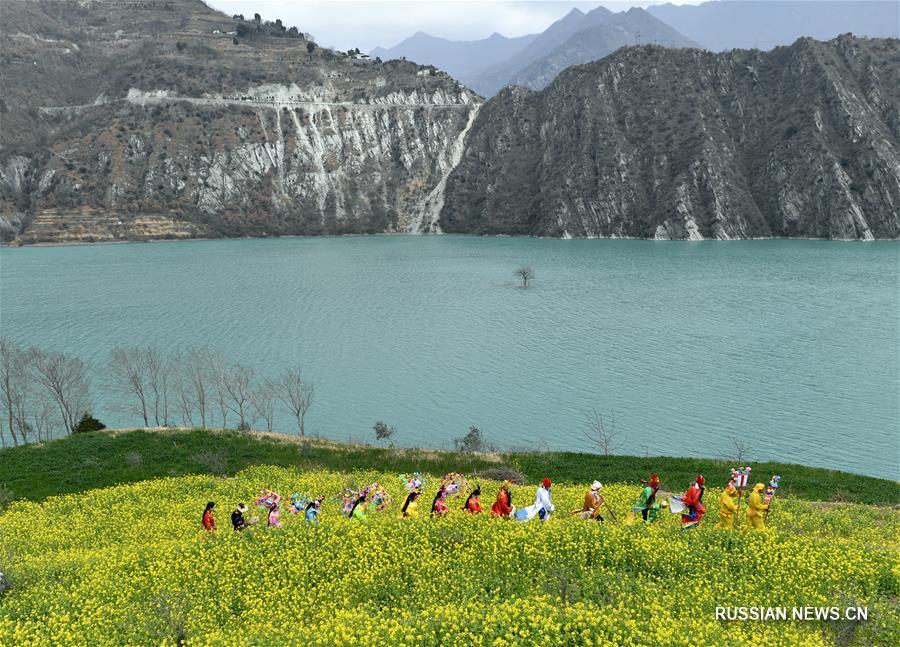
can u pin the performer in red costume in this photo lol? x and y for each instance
(693, 501)
(503, 506)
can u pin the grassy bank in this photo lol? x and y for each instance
(102, 459)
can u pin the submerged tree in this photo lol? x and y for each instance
(526, 274)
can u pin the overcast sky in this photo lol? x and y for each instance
(368, 23)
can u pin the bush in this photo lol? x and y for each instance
(473, 441)
(88, 423)
(383, 432)
(244, 427)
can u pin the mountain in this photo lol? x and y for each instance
(169, 119)
(801, 141)
(461, 59)
(576, 38)
(617, 30)
(728, 24)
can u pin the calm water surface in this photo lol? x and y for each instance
(792, 345)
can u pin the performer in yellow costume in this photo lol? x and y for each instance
(756, 512)
(728, 505)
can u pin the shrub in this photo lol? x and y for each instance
(216, 461)
(383, 432)
(88, 423)
(473, 441)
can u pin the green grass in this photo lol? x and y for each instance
(102, 459)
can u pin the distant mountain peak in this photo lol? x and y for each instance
(600, 11)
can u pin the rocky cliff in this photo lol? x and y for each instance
(149, 119)
(136, 119)
(801, 141)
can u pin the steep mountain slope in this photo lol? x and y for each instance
(649, 142)
(150, 119)
(728, 24)
(617, 30)
(576, 38)
(463, 60)
(491, 78)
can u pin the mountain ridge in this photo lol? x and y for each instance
(654, 143)
(196, 124)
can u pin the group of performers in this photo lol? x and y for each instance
(692, 509)
(357, 504)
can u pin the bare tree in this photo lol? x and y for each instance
(40, 416)
(128, 375)
(738, 451)
(182, 387)
(201, 364)
(219, 371)
(238, 385)
(158, 379)
(526, 274)
(15, 380)
(296, 394)
(263, 400)
(64, 379)
(600, 435)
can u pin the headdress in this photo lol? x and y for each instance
(413, 482)
(454, 484)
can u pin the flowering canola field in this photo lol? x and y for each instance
(129, 565)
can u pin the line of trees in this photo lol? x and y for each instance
(41, 392)
(45, 394)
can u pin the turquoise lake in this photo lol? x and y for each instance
(793, 346)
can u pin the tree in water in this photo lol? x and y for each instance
(526, 274)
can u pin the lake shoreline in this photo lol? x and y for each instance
(13, 245)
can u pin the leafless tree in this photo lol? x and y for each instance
(159, 370)
(64, 379)
(182, 387)
(263, 400)
(15, 380)
(296, 394)
(40, 416)
(128, 375)
(526, 274)
(218, 369)
(599, 434)
(201, 366)
(738, 451)
(238, 384)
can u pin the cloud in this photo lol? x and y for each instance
(368, 23)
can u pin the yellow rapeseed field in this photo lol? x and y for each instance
(129, 565)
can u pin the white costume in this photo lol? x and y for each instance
(542, 503)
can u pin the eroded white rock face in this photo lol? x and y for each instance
(281, 158)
